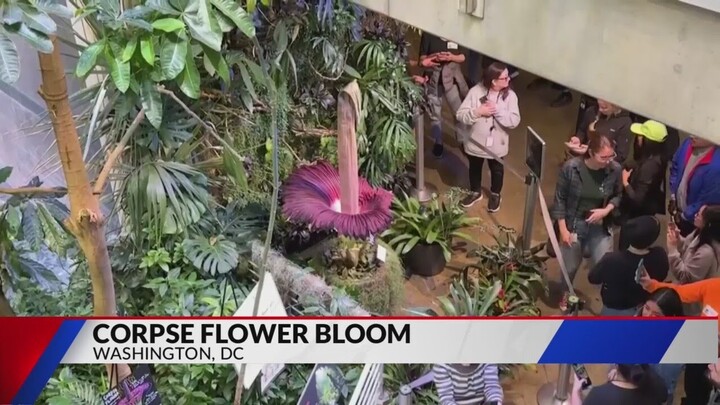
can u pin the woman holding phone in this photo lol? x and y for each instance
(490, 109)
(586, 194)
(696, 256)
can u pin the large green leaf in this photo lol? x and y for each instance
(162, 6)
(5, 173)
(202, 26)
(88, 58)
(9, 60)
(31, 226)
(214, 256)
(173, 54)
(53, 8)
(119, 70)
(168, 24)
(37, 20)
(232, 10)
(37, 39)
(190, 79)
(217, 63)
(152, 103)
(235, 169)
(147, 50)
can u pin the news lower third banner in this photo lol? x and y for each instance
(32, 348)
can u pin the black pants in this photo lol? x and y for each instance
(497, 173)
(697, 386)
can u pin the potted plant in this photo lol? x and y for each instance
(508, 261)
(423, 234)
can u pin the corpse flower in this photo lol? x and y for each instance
(312, 195)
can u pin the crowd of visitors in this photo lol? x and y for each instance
(613, 180)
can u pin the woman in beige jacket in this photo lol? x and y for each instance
(489, 109)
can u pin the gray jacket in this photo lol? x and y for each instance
(489, 132)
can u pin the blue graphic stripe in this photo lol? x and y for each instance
(610, 341)
(48, 362)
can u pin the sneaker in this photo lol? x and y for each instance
(471, 199)
(562, 100)
(494, 202)
(438, 150)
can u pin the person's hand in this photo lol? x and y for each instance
(626, 176)
(597, 215)
(714, 373)
(577, 386)
(419, 79)
(672, 236)
(565, 237)
(575, 140)
(485, 110)
(428, 62)
(645, 280)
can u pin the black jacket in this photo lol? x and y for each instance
(645, 194)
(617, 127)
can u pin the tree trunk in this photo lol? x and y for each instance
(5, 308)
(86, 221)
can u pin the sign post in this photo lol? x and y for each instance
(535, 162)
(422, 192)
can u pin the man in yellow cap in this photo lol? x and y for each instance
(644, 181)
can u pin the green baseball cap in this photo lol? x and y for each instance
(652, 130)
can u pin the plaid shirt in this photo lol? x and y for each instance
(569, 187)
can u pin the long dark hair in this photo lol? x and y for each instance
(668, 300)
(650, 149)
(491, 73)
(644, 378)
(710, 233)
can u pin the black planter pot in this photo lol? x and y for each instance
(425, 260)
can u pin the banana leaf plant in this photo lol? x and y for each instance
(435, 223)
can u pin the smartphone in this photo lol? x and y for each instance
(582, 375)
(640, 271)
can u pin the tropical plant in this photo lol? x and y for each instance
(33, 22)
(435, 223)
(312, 195)
(520, 270)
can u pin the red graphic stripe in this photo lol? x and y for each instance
(22, 341)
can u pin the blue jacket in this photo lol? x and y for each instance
(704, 184)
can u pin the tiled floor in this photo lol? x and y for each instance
(554, 125)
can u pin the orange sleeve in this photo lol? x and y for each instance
(689, 293)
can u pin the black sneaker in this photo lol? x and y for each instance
(438, 150)
(494, 202)
(471, 199)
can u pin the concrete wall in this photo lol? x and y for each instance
(658, 58)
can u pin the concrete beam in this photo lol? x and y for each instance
(658, 58)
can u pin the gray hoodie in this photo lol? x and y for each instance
(489, 132)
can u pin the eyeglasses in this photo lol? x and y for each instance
(607, 158)
(503, 78)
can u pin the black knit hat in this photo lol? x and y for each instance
(641, 232)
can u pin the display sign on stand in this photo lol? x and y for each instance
(139, 388)
(270, 305)
(325, 386)
(535, 162)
